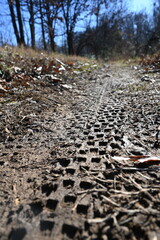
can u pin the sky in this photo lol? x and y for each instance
(6, 29)
(139, 5)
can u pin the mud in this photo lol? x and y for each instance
(59, 175)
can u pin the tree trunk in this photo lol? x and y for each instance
(42, 25)
(32, 23)
(18, 8)
(50, 27)
(12, 14)
(71, 10)
(70, 43)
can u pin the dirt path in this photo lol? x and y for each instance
(64, 178)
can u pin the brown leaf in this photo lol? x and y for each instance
(70, 63)
(138, 159)
(56, 70)
(146, 159)
(2, 89)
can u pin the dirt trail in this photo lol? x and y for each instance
(62, 180)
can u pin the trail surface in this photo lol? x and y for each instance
(69, 176)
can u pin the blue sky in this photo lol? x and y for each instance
(6, 29)
(138, 5)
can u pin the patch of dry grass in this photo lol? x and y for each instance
(136, 87)
(151, 61)
(29, 52)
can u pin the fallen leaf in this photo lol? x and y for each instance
(17, 201)
(62, 68)
(120, 158)
(70, 63)
(61, 63)
(2, 90)
(67, 86)
(7, 131)
(16, 69)
(138, 159)
(56, 70)
(146, 159)
(39, 69)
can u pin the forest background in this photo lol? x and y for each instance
(99, 29)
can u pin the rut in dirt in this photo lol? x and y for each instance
(83, 190)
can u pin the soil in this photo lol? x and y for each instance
(63, 161)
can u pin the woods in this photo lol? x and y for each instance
(79, 120)
(101, 28)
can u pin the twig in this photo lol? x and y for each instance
(136, 169)
(101, 220)
(124, 193)
(111, 201)
(130, 211)
(96, 178)
(78, 201)
(99, 184)
(102, 180)
(141, 189)
(126, 221)
(114, 183)
(142, 175)
(92, 190)
(133, 169)
(136, 184)
(143, 144)
(116, 224)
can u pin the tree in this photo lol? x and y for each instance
(107, 29)
(156, 17)
(141, 32)
(105, 37)
(30, 7)
(153, 42)
(41, 6)
(48, 14)
(18, 30)
(72, 9)
(52, 9)
(20, 22)
(13, 18)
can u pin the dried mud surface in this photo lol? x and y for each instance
(59, 175)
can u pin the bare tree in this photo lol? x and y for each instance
(31, 10)
(156, 17)
(42, 22)
(20, 22)
(72, 9)
(13, 18)
(48, 14)
(52, 10)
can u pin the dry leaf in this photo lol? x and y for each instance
(138, 159)
(17, 201)
(146, 159)
(2, 90)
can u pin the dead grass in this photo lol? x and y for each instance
(29, 52)
(151, 60)
(137, 87)
(125, 61)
